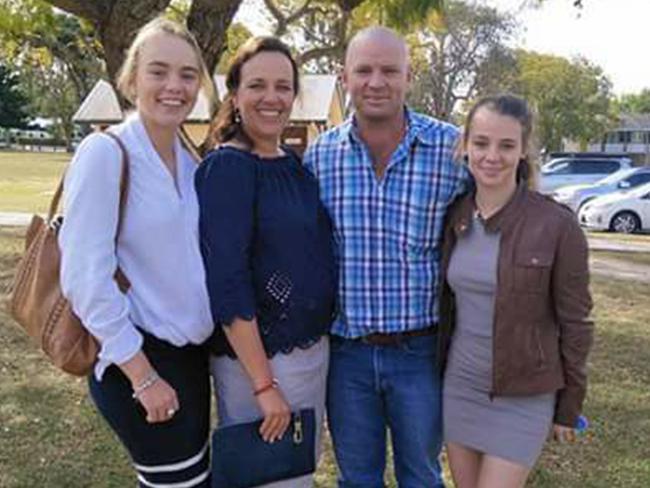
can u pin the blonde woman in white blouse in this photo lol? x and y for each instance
(151, 380)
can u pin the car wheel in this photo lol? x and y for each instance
(625, 222)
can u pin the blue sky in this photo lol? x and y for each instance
(611, 33)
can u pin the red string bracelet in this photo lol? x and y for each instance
(274, 383)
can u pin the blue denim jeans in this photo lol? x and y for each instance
(373, 387)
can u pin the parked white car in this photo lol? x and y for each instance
(575, 196)
(619, 212)
(578, 171)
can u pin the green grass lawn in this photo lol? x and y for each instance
(51, 437)
(28, 179)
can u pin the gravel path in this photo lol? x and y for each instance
(620, 269)
(603, 244)
(15, 219)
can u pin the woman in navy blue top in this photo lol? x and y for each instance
(267, 248)
(266, 244)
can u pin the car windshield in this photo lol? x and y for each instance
(617, 176)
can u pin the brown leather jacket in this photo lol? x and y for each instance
(542, 332)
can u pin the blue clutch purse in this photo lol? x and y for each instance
(242, 459)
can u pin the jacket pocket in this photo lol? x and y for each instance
(532, 271)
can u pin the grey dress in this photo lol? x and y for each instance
(302, 375)
(511, 428)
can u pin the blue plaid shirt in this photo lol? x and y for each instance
(387, 231)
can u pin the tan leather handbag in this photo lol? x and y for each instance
(36, 301)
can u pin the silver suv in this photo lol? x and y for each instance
(578, 171)
(576, 196)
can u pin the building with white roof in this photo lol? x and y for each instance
(631, 137)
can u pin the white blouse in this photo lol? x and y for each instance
(158, 248)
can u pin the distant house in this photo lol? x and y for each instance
(319, 106)
(632, 136)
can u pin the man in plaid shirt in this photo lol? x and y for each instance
(387, 177)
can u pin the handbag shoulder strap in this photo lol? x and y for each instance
(124, 186)
(124, 181)
(122, 281)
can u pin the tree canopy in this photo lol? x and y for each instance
(460, 50)
(572, 98)
(453, 52)
(57, 56)
(13, 102)
(635, 103)
(322, 28)
(117, 21)
(31, 26)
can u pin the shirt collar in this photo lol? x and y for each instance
(420, 129)
(349, 130)
(496, 222)
(134, 120)
(416, 127)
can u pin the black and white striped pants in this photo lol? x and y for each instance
(173, 454)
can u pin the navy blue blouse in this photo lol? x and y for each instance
(266, 242)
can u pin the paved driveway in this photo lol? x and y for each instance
(15, 219)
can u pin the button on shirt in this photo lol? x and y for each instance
(387, 230)
(158, 247)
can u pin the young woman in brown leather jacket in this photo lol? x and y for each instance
(515, 328)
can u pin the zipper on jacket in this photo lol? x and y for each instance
(541, 357)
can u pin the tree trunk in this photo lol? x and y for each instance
(118, 28)
(116, 22)
(209, 20)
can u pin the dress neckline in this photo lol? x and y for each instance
(270, 159)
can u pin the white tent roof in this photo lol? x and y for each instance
(312, 105)
(101, 105)
(315, 99)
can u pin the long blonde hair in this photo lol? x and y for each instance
(126, 75)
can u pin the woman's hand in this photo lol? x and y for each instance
(156, 396)
(564, 434)
(159, 401)
(244, 337)
(276, 412)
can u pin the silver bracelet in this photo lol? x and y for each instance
(148, 382)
